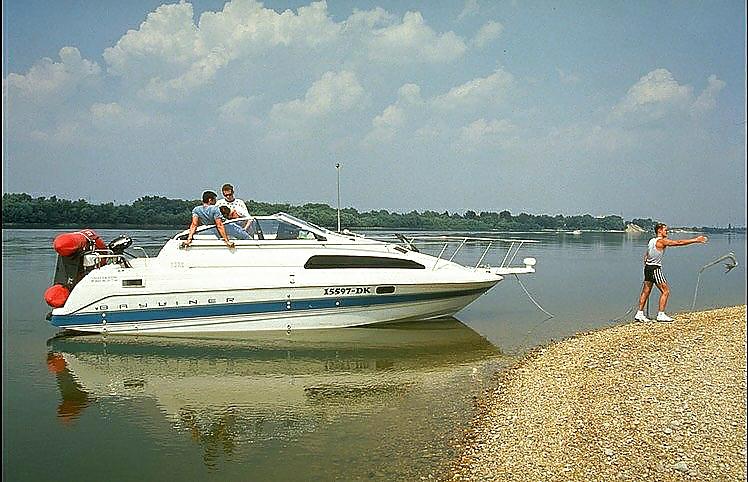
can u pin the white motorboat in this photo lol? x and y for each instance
(289, 274)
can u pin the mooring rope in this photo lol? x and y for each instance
(531, 298)
(635, 305)
(728, 267)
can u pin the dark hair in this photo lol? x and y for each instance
(225, 210)
(659, 226)
(227, 187)
(208, 195)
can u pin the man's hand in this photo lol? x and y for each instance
(185, 244)
(230, 244)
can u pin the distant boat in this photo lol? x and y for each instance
(576, 232)
(634, 229)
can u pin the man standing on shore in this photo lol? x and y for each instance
(653, 270)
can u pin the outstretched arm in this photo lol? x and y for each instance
(663, 243)
(222, 231)
(193, 227)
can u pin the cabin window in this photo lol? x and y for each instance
(132, 283)
(384, 290)
(331, 261)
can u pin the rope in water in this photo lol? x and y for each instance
(532, 299)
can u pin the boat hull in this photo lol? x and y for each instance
(287, 313)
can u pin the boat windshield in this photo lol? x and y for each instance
(281, 226)
(301, 223)
(281, 229)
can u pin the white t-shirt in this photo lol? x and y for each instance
(235, 205)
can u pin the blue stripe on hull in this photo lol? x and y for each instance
(211, 311)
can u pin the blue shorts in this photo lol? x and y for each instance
(653, 274)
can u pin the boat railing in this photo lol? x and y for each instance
(145, 253)
(512, 246)
(101, 257)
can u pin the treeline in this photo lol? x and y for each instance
(22, 210)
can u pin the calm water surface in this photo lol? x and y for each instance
(352, 404)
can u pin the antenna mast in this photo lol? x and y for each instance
(337, 166)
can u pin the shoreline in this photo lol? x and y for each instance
(163, 227)
(655, 401)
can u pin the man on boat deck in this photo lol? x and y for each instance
(208, 214)
(237, 206)
(653, 270)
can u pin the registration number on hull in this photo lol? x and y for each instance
(347, 290)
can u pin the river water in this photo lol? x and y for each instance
(353, 404)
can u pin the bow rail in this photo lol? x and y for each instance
(513, 247)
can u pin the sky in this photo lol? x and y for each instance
(635, 109)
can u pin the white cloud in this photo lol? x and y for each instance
(654, 95)
(366, 20)
(114, 117)
(409, 94)
(105, 111)
(413, 117)
(707, 100)
(497, 133)
(470, 8)
(47, 80)
(412, 41)
(171, 55)
(245, 27)
(587, 139)
(479, 91)
(333, 93)
(394, 116)
(487, 33)
(658, 95)
(430, 133)
(166, 39)
(238, 111)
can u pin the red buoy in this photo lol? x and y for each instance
(69, 244)
(56, 295)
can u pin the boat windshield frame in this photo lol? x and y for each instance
(320, 233)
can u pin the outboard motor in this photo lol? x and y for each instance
(119, 244)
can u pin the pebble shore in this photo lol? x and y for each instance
(639, 401)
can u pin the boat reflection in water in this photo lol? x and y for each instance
(250, 387)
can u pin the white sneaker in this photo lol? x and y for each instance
(640, 317)
(663, 317)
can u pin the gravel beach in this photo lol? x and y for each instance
(654, 401)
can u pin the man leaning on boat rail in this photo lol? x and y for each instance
(207, 214)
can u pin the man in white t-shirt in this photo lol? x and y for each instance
(238, 208)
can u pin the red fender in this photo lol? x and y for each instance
(56, 296)
(56, 363)
(69, 244)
